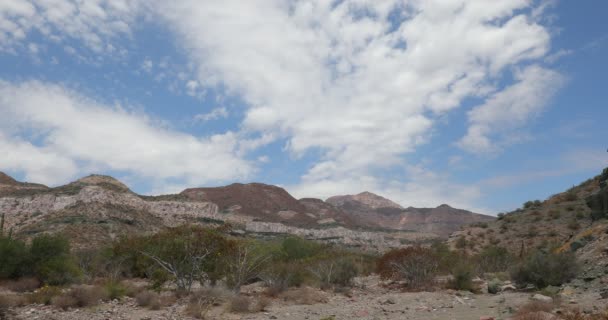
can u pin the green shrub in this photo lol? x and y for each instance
(574, 225)
(13, 258)
(417, 265)
(115, 290)
(51, 260)
(543, 269)
(334, 272)
(461, 243)
(462, 277)
(295, 248)
(493, 259)
(494, 286)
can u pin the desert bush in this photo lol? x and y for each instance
(147, 298)
(23, 284)
(13, 258)
(132, 289)
(240, 304)
(416, 265)
(281, 275)
(574, 225)
(334, 272)
(8, 301)
(543, 269)
(462, 277)
(493, 259)
(461, 242)
(87, 296)
(554, 214)
(43, 295)
(64, 302)
(51, 261)
(262, 304)
(532, 232)
(570, 196)
(494, 286)
(295, 248)
(245, 264)
(201, 301)
(115, 290)
(530, 309)
(304, 295)
(188, 254)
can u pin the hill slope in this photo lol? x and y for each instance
(374, 211)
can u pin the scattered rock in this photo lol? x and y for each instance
(508, 287)
(540, 297)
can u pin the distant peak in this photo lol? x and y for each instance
(367, 198)
(6, 179)
(96, 179)
(444, 206)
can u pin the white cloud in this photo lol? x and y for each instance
(510, 109)
(216, 113)
(76, 134)
(423, 188)
(362, 81)
(93, 21)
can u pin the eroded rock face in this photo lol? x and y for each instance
(599, 202)
(370, 240)
(93, 202)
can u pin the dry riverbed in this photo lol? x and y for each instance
(368, 300)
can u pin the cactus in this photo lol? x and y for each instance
(2, 224)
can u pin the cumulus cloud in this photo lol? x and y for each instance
(362, 81)
(510, 108)
(74, 134)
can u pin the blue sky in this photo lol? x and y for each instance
(475, 105)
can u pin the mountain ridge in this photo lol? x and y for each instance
(107, 208)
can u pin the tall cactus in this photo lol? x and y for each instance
(2, 224)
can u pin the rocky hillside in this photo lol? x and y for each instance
(269, 203)
(100, 208)
(537, 223)
(373, 211)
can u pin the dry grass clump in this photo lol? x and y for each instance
(202, 300)
(79, 297)
(535, 310)
(153, 300)
(262, 304)
(240, 304)
(12, 300)
(132, 289)
(64, 302)
(43, 295)
(576, 314)
(304, 295)
(23, 285)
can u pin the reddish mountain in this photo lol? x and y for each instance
(373, 211)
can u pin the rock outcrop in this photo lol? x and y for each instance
(375, 212)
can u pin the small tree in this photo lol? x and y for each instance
(416, 265)
(13, 258)
(244, 264)
(51, 260)
(186, 253)
(545, 269)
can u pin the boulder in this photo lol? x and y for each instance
(542, 298)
